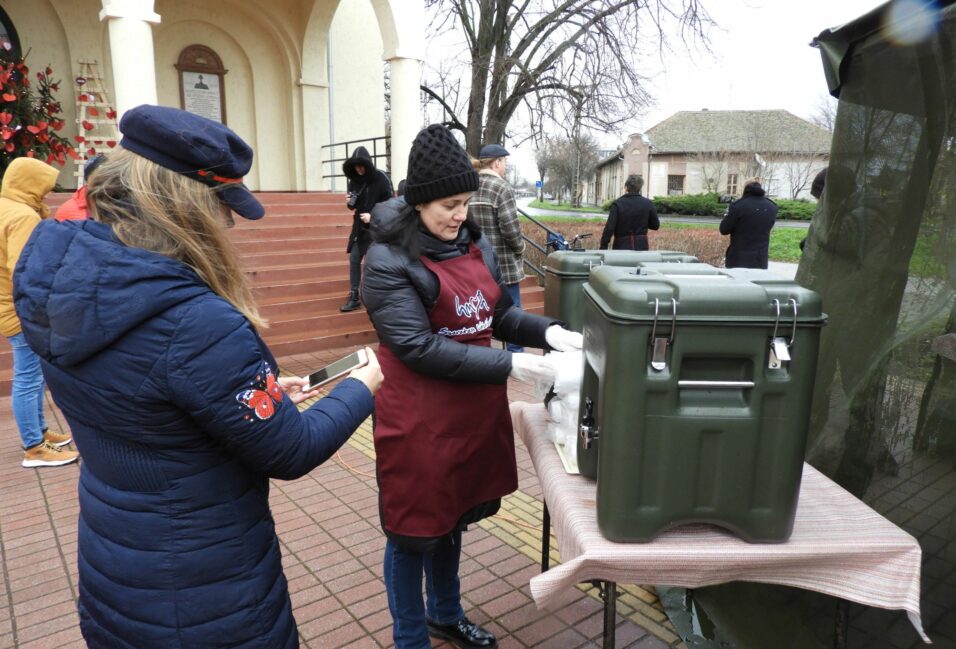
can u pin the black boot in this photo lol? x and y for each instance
(352, 303)
(463, 634)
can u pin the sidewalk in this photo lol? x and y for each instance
(332, 551)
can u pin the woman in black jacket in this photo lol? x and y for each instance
(443, 438)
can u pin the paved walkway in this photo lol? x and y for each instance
(332, 553)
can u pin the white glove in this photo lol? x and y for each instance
(563, 340)
(532, 367)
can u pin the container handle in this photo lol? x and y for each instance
(720, 385)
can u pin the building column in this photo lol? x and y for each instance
(405, 75)
(131, 51)
(315, 132)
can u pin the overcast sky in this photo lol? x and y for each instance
(759, 58)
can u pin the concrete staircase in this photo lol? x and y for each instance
(296, 259)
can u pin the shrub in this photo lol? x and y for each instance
(690, 205)
(798, 210)
(606, 205)
(708, 205)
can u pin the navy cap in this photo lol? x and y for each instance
(194, 146)
(492, 151)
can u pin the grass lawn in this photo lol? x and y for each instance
(563, 207)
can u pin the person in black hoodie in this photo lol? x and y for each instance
(749, 222)
(367, 187)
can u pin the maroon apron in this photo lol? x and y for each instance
(443, 447)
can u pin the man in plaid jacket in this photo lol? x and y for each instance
(493, 208)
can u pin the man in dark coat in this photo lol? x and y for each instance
(630, 218)
(748, 222)
(367, 187)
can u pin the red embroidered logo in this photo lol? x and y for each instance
(260, 398)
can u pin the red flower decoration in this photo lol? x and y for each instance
(8, 96)
(87, 125)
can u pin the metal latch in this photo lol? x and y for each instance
(659, 345)
(587, 429)
(779, 346)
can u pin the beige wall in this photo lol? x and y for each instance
(271, 53)
(357, 78)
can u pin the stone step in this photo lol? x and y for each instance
(296, 260)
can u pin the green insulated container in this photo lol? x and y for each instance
(566, 271)
(695, 399)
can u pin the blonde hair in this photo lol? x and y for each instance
(483, 163)
(153, 208)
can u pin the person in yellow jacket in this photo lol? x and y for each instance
(25, 183)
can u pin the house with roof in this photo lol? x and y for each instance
(693, 152)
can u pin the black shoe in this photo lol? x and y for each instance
(463, 634)
(352, 303)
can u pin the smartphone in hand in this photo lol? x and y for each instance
(335, 370)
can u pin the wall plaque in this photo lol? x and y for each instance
(201, 88)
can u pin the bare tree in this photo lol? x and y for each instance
(799, 168)
(546, 55)
(570, 161)
(824, 115)
(713, 168)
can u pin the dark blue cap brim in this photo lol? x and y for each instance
(241, 201)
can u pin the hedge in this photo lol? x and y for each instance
(709, 205)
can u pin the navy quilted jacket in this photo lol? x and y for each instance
(165, 386)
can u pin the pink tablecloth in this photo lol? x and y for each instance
(839, 545)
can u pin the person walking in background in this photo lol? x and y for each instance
(494, 209)
(26, 182)
(444, 445)
(74, 208)
(749, 222)
(149, 338)
(629, 219)
(367, 187)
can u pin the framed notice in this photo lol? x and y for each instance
(201, 88)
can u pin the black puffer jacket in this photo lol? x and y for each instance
(748, 222)
(372, 188)
(398, 292)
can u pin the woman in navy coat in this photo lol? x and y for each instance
(149, 341)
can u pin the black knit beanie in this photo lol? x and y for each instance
(437, 167)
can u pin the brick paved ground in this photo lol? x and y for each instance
(332, 548)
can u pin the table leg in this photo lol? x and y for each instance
(545, 539)
(609, 595)
(842, 624)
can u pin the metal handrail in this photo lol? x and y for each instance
(375, 154)
(534, 244)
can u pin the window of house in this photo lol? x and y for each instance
(675, 185)
(9, 42)
(732, 182)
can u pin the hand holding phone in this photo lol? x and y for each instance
(371, 373)
(338, 368)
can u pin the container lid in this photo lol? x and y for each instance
(737, 295)
(580, 262)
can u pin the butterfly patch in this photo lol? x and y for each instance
(261, 398)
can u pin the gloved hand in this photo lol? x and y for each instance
(532, 367)
(563, 340)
